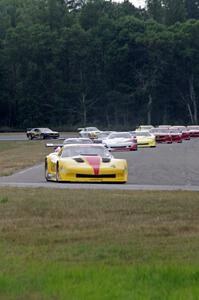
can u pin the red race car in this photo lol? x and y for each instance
(162, 135)
(194, 131)
(183, 130)
(176, 135)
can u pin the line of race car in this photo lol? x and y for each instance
(89, 158)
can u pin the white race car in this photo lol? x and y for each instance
(89, 132)
(120, 141)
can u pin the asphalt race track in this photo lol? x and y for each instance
(14, 137)
(23, 137)
(167, 167)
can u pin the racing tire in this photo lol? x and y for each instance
(30, 137)
(57, 172)
(42, 136)
(46, 170)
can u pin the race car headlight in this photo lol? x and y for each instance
(106, 159)
(78, 159)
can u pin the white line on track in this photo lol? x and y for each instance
(27, 170)
(101, 186)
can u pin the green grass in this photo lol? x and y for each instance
(90, 282)
(73, 244)
(17, 155)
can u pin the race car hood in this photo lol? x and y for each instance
(93, 162)
(118, 140)
(145, 138)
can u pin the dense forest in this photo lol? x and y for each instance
(69, 63)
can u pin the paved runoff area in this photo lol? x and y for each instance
(166, 167)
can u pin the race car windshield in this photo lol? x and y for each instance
(142, 134)
(92, 129)
(77, 141)
(174, 131)
(181, 128)
(45, 130)
(193, 127)
(161, 130)
(85, 151)
(120, 135)
(103, 135)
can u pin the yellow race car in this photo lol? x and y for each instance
(144, 128)
(144, 138)
(85, 163)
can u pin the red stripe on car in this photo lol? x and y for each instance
(94, 162)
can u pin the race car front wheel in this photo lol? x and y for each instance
(57, 172)
(46, 170)
(30, 137)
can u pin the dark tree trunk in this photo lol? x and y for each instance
(193, 99)
(149, 109)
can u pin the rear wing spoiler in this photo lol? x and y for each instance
(50, 145)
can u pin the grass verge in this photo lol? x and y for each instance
(17, 155)
(98, 244)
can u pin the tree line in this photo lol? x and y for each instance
(76, 63)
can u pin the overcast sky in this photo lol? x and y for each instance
(138, 2)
